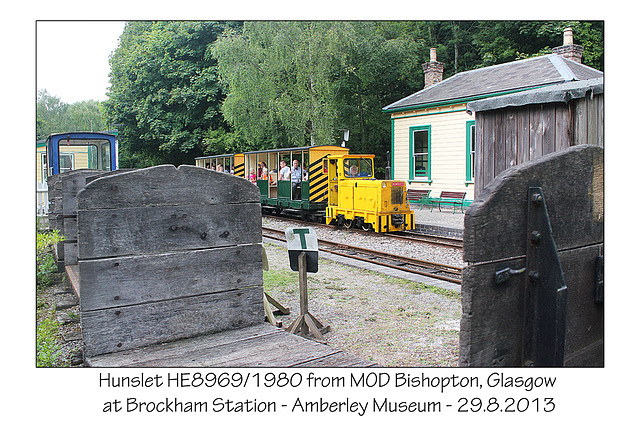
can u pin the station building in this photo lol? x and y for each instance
(433, 133)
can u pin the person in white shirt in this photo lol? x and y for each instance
(284, 170)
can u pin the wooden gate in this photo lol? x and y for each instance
(533, 290)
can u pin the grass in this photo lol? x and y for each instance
(47, 331)
(47, 327)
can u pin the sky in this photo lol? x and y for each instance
(79, 52)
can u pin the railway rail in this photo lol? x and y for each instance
(449, 242)
(449, 273)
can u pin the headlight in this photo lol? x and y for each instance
(384, 184)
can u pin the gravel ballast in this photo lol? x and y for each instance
(384, 319)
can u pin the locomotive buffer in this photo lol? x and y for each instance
(302, 244)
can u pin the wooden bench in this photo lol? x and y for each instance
(454, 198)
(170, 274)
(419, 196)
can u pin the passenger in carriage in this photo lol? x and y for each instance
(263, 172)
(285, 171)
(296, 180)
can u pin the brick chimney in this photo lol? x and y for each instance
(568, 49)
(432, 69)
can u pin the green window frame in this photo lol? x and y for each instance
(471, 152)
(419, 158)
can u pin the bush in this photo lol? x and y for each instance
(45, 260)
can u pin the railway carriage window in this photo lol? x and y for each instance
(105, 157)
(66, 162)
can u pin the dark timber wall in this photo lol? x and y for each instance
(510, 136)
(166, 254)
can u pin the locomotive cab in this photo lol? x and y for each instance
(357, 200)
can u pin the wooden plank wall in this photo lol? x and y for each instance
(511, 136)
(166, 254)
(63, 209)
(495, 237)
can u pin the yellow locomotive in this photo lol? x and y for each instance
(357, 200)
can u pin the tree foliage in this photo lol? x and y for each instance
(183, 89)
(164, 90)
(297, 83)
(54, 116)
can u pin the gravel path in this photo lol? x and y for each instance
(390, 321)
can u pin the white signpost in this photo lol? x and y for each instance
(302, 240)
(302, 243)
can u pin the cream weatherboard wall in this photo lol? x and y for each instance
(448, 157)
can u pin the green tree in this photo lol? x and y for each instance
(379, 65)
(54, 116)
(50, 114)
(280, 82)
(294, 83)
(86, 116)
(164, 91)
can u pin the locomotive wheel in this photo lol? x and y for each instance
(367, 226)
(348, 223)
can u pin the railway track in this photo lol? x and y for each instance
(435, 270)
(449, 242)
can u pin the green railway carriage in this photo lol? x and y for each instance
(282, 188)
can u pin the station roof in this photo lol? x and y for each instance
(497, 80)
(563, 92)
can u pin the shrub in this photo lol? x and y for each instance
(45, 261)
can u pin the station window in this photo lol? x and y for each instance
(420, 146)
(471, 150)
(43, 167)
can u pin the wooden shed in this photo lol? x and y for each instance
(516, 128)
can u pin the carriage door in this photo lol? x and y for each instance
(333, 181)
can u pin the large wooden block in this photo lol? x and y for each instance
(573, 185)
(167, 185)
(496, 237)
(159, 229)
(165, 254)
